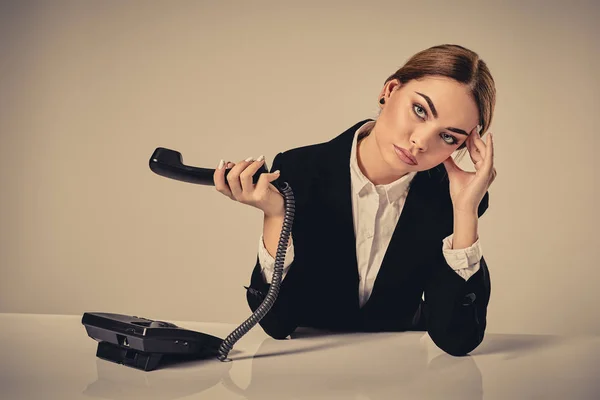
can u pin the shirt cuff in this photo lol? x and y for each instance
(465, 262)
(267, 262)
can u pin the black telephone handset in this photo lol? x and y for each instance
(169, 163)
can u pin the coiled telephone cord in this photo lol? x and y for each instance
(273, 292)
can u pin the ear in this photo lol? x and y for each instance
(388, 88)
(392, 85)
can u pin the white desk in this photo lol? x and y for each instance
(51, 357)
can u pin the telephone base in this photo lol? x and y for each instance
(143, 360)
(128, 357)
(144, 343)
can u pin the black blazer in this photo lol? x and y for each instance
(321, 287)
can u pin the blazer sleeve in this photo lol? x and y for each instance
(456, 310)
(281, 320)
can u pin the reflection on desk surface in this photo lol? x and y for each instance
(51, 357)
(118, 382)
(365, 366)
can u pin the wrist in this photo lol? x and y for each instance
(274, 215)
(467, 210)
(465, 229)
(275, 209)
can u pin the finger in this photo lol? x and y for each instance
(248, 173)
(473, 153)
(480, 147)
(264, 183)
(233, 178)
(488, 160)
(491, 146)
(219, 179)
(489, 157)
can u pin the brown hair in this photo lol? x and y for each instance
(461, 64)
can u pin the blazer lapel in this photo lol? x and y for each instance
(334, 182)
(411, 234)
(416, 219)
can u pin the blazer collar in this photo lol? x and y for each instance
(334, 169)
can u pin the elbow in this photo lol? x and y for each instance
(276, 322)
(460, 350)
(456, 345)
(277, 334)
(276, 327)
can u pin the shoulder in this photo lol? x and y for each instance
(312, 154)
(298, 164)
(301, 154)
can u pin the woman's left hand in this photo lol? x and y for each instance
(468, 188)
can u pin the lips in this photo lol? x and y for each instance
(405, 155)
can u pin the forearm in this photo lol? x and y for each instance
(280, 321)
(457, 309)
(465, 229)
(272, 226)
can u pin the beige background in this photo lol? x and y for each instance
(89, 89)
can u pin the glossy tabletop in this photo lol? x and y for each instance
(51, 357)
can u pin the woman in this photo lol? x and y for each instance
(385, 228)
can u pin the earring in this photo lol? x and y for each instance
(382, 101)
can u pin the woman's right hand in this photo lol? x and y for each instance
(264, 195)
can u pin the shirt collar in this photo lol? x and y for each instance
(361, 185)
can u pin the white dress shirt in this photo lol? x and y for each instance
(376, 210)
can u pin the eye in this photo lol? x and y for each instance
(416, 107)
(451, 140)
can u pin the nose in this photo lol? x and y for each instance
(419, 142)
(420, 139)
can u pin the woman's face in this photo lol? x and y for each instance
(430, 118)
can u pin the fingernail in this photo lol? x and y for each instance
(276, 172)
(260, 158)
(229, 164)
(221, 163)
(249, 159)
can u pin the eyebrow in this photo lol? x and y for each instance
(435, 114)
